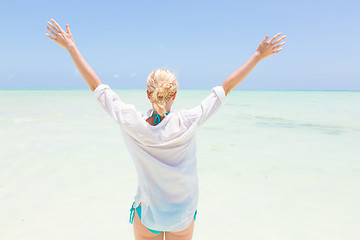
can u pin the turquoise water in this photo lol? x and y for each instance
(272, 164)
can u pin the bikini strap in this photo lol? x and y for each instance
(158, 118)
(132, 213)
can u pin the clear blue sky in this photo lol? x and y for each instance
(203, 42)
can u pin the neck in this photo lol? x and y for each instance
(155, 112)
(167, 108)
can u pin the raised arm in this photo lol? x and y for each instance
(265, 49)
(65, 40)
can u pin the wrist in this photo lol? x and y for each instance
(71, 47)
(257, 56)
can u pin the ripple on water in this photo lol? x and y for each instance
(288, 123)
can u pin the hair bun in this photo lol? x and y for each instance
(159, 93)
(162, 84)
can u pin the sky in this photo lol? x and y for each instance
(202, 42)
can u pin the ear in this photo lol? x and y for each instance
(173, 97)
(148, 94)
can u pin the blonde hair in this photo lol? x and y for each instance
(161, 85)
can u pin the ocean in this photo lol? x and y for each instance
(271, 165)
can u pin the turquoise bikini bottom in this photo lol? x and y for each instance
(138, 210)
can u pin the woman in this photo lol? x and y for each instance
(162, 142)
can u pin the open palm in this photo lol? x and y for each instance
(266, 49)
(64, 39)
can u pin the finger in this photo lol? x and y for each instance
(68, 29)
(280, 39)
(265, 39)
(53, 28)
(274, 37)
(277, 50)
(57, 25)
(281, 44)
(50, 37)
(54, 34)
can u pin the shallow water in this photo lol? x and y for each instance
(272, 165)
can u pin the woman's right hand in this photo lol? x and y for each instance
(266, 49)
(64, 39)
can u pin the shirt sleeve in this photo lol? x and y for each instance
(124, 114)
(197, 116)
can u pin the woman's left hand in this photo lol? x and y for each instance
(267, 49)
(64, 39)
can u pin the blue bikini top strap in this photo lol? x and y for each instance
(158, 118)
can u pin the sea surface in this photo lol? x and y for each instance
(271, 165)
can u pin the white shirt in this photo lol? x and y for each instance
(164, 157)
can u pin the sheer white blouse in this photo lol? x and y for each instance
(164, 156)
